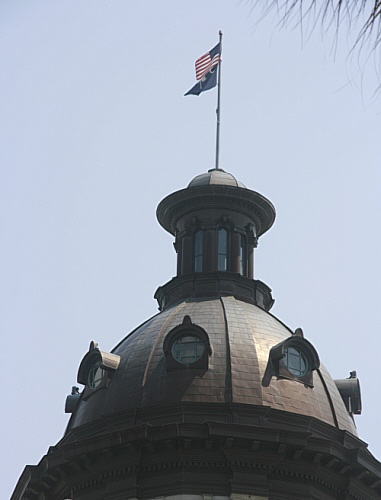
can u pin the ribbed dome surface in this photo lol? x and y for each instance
(241, 336)
(216, 177)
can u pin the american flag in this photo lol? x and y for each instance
(206, 62)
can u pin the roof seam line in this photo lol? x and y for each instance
(228, 377)
(329, 398)
(162, 329)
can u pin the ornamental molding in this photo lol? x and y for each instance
(309, 454)
(245, 201)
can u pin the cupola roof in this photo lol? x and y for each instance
(216, 176)
(220, 190)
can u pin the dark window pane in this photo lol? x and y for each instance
(198, 264)
(222, 262)
(295, 361)
(95, 376)
(198, 250)
(188, 349)
(222, 249)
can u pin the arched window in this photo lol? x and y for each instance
(243, 255)
(222, 249)
(198, 243)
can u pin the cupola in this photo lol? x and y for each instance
(216, 222)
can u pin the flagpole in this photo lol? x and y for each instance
(218, 110)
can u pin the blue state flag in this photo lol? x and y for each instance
(207, 82)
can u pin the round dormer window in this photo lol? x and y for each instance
(96, 370)
(295, 361)
(188, 348)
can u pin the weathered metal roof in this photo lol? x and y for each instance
(241, 336)
(216, 177)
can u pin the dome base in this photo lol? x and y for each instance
(225, 450)
(212, 285)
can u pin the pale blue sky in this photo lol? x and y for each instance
(95, 131)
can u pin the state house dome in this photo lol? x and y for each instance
(213, 398)
(214, 341)
(240, 336)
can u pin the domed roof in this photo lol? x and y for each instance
(216, 177)
(241, 336)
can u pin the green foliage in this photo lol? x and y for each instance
(363, 15)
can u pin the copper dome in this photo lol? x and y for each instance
(241, 336)
(229, 306)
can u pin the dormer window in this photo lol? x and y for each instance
(187, 346)
(96, 369)
(294, 359)
(349, 389)
(222, 249)
(198, 250)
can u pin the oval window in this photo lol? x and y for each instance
(96, 374)
(295, 361)
(187, 349)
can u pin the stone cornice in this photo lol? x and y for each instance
(253, 458)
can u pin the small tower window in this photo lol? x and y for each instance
(198, 250)
(295, 361)
(243, 255)
(222, 249)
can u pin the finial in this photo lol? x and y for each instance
(299, 332)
